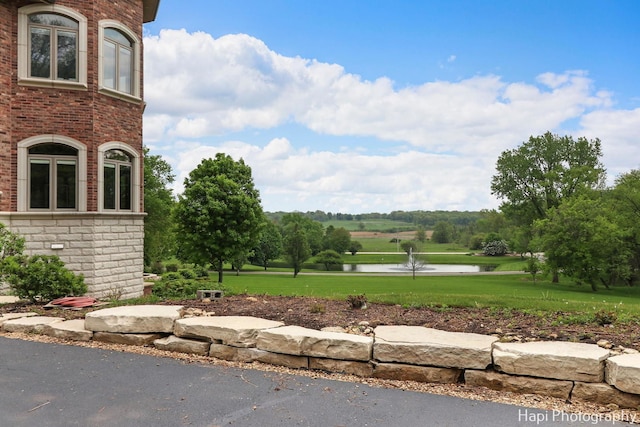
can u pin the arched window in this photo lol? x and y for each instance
(52, 174)
(119, 61)
(119, 184)
(117, 175)
(53, 177)
(52, 46)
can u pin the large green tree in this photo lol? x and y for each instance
(541, 173)
(626, 199)
(219, 214)
(159, 242)
(545, 170)
(582, 238)
(314, 231)
(337, 239)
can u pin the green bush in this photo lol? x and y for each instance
(172, 266)
(175, 288)
(201, 270)
(157, 267)
(187, 273)
(41, 277)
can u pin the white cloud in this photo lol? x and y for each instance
(198, 87)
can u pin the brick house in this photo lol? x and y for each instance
(71, 104)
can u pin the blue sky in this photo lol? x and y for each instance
(352, 106)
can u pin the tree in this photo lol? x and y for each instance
(295, 243)
(313, 230)
(581, 238)
(542, 172)
(442, 232)
(626, 199)
(421, 234)
(269, 246)
(219, 214)
(159, 241)
(337, 239)
(329, 258)
(415, 263)
(409, 247)
(355, 247)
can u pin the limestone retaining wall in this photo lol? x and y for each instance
(560, 369)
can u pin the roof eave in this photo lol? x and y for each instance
(150, 10)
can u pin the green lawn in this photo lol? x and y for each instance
(515, 291)
(383, 244)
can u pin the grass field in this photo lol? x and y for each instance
(502, 292)
(379, 225)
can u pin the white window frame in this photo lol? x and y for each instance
(23, 171)
(23, 48)
(136, 161)
(134, 96)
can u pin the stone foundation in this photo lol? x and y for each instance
(106, 248)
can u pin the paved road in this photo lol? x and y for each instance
(53, 385)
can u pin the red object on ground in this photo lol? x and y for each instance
(77, 302)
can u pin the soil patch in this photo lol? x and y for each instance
(315, 313)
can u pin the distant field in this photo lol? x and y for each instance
(381, 242)
(380, 225)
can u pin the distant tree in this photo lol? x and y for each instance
(269, 246)
(415, 263)
(313, 230)
(409, 247)
(159, 239)
(219, 214)
(337, 239)
(329, 258)
(355, 247)
(442, 232)
(295, 244)
(421, 234)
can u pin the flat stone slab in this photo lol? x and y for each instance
(70, 330)
(8, 299)
(623, 372)
(182, 345)
(517, 384)
(417, 345)
(134, 319)
(9, 316)
(237, 331)
(552, 359)
(301, 341)
(127, 339)
(36, 324)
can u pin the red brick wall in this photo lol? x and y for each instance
(87, 116)
(6, 46)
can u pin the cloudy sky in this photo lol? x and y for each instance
(373, 106)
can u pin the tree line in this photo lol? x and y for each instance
(554, 196)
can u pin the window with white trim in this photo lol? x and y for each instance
(118, 61)
(117, 180)
(52, 47)
(53, 177)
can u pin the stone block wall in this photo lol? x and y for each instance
(106, 249)
(563, 370)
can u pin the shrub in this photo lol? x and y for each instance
(201, 271)
(157, 267)
(10, 243)
(187, 273)
(172, 266)
(167, 288)
(42, 277)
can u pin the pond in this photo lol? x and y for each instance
(428, 268)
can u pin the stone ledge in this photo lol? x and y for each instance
(70, 330)
(623, 372)
(425, 374)
(550, 359)
(417, 345)
(300, 341)
(37, 324)
(237, 331)
(182, 345)
(134, 319)
(518, 384)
